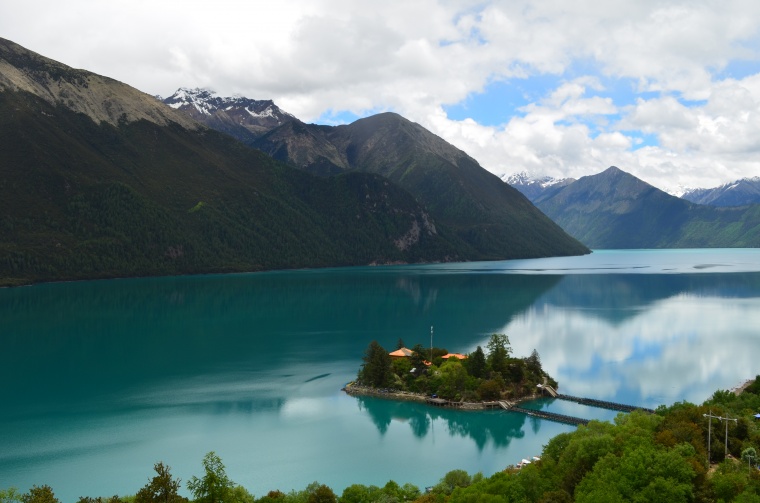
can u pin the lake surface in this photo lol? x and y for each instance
(100, 380)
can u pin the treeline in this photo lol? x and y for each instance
(661, 457)
(478, 377)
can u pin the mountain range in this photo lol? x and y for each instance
(98, 180)
(488, 215)
(736, 193)
(614, 209)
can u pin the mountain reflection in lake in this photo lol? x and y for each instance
(106, 378)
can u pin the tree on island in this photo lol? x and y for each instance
(476, 377)
(376, 370)
(476, 363)
(499, 353)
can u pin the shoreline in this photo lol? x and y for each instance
(407, 396)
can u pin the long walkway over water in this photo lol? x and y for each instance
(551, 416)
(592, 402)
(560, 418)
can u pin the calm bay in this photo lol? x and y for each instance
(102, 379)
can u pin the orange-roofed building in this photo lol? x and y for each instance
(455, 355)
(401, 353)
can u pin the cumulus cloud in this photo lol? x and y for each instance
(666, 90)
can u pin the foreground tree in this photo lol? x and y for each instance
(322, 494)
(215, 486)
(162, 488)
(10, 495)
(42, 494)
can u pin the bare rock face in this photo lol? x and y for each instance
(100, 98)
(243, 118)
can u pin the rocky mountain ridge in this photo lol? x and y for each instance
(737, 193)
(102, 99)
(240, 117)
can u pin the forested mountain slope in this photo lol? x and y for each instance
(614, 209)
(99, 180)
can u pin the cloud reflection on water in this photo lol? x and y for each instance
(678, 348)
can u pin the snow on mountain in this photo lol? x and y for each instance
(735, 193)
(237, 115)
(533, 188)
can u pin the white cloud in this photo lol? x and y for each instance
(316, 57)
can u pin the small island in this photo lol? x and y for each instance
(474, 381)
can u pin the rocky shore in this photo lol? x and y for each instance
(357, 390)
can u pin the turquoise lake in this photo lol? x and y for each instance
(100, 380)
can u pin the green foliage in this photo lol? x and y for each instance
(162, 488)
(616, 210)
(376, 370)
(322, 494)
(499, 353)
(476, 363)
(390, 493)
(453, 379)
(452, 480)
(489, 218)
(639, 458)
(214, 486)
(470, 379)
(41, 494)
(490, 390)
(80, 200)
(100, 499)
(10, 495)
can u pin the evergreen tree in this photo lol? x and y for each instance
(534, 362)
(476, 363)
(376, 370)
(419, 356)
(400, 343)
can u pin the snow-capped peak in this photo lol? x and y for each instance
(523, 178)
(206, 102)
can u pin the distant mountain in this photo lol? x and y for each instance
(534, 188)
(617, 210)
(738, 193)
(242, 118)
(490, 216)
(99, 180)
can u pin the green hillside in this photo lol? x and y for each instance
(81, 200)
(100, 180)
(493, 218)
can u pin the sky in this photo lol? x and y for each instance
(668, 91)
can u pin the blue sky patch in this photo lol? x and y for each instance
(502, 100)
(333, 118)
